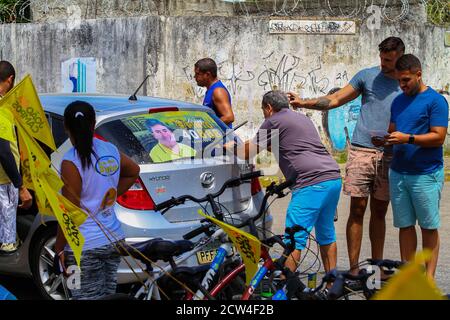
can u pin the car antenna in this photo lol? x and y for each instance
(133, 96)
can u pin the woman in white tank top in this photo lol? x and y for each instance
(94, 173)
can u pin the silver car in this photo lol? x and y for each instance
(125, 123)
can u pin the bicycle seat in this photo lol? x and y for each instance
(160, 249)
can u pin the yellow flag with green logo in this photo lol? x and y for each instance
(248, 246)
(61, 208)
(39, 177)
(21, 108)
(411, 283)
(26, 107)
(6, 125)
(32, 166)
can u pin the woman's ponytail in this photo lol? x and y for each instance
(79, 120)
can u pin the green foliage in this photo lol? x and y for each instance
(438, 12)
(14, 11)
(446, 152)
(340, 157)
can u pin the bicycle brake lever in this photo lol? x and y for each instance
(270, 187)
(281, 195)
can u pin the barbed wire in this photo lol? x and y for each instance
(19, 11)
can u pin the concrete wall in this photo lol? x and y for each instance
(393, 10)
(251, 60)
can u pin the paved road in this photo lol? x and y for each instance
(392, 250)
(25, 289)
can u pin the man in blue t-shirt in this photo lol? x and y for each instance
(419, 121)
(366, 172)
(217, 96)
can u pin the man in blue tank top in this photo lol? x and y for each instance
(217, 96)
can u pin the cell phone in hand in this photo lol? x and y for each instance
(376, 140)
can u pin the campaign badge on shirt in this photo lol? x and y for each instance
(107, 166)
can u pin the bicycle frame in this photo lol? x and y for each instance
(262, 271)
(225, 250)
(226, 247)
(150, 290)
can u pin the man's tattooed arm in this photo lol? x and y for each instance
(321, 103)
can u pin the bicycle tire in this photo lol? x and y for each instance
(234, 288)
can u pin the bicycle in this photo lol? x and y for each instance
(294, 286)
(185, 282)
(235, 274)
(212, 274)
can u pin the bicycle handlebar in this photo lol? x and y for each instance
(233, 182)
(250, 175)
(279, 188)
(204, 228)
(390, 264)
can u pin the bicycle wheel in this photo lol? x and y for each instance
(231, 284)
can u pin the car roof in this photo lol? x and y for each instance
(105, 105)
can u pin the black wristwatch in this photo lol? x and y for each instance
(411, 139)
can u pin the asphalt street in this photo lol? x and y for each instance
(392, 250)
(24, 288)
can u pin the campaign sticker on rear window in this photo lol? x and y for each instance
(170, 136)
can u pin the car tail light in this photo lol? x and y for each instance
(96, 135)
(164, 109)
(256, 186)
(137, 198)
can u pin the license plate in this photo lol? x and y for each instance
(207, 256)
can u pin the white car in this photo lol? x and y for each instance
(123, 122)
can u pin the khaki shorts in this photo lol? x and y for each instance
(367, 173)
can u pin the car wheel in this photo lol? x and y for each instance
(50, 285)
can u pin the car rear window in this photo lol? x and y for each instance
(164, 136)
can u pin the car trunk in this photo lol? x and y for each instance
(144, 137)
(164, 181)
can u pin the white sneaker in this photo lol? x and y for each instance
(9, 247)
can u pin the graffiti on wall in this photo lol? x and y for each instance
(287, 72)
(339, 123)
(192, 88)
(233, 74)
(312, 27)
(282, 73)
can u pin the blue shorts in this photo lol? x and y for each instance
(416, 198)
(314, 206)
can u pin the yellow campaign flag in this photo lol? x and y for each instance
(6, 125)
(26, 107)
(77, 215)
(53, 179)
(60, 207)
(38, 161)
(411, 283)
(36, 168)
(248, 246)
(31, 167)
(41, 162)
(21, 108)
